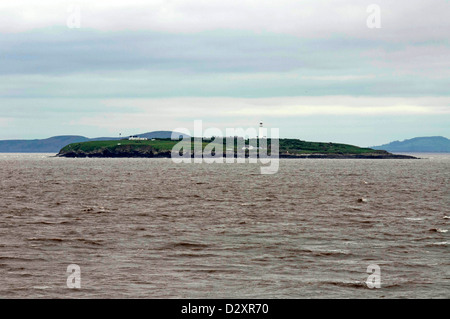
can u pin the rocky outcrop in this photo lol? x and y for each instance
(350, 156)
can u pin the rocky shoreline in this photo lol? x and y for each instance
(350, 156)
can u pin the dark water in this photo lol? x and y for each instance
(148, 228)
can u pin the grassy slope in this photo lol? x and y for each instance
(292, 146)
(302, 147)
(158, 145)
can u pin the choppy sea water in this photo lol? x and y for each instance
(149, 228)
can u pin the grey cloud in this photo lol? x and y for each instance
(62, 51)
(172, 84)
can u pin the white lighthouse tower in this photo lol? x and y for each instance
(261, 131)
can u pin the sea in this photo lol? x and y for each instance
(151, 228)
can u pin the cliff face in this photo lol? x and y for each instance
(119, 151)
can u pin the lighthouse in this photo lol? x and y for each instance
(261, 131)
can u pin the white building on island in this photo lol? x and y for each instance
(261, 131)
(137, 138)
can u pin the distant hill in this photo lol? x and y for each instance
(56, 143)
(49, 145)
(160, 134)
(432, 144)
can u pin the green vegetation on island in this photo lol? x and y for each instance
(288, 148)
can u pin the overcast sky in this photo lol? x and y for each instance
(313, 69)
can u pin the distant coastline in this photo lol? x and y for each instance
(431, 144)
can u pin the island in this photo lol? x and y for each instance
(162, 148)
